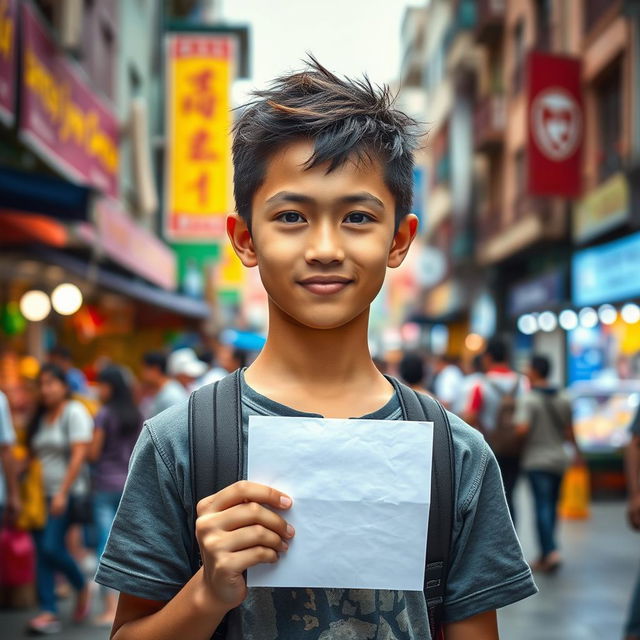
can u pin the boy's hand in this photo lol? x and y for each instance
(235, 531)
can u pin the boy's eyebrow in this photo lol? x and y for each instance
(355, 198)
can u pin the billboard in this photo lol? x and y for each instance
(61, 119)
(198, 150)
(555, 125)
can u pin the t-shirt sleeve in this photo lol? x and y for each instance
(7, 434)
(148, 550)
(80, 423)
(487, 569)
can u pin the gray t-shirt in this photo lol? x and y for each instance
(548, 414)
(148, 552)
(51, 445)
(172, 392)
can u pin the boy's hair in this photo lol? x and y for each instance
(541, 365)
(157, 360)
(344, 118)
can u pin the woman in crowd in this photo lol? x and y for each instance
(59, 436)
(117, 427)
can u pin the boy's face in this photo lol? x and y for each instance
(322, 241)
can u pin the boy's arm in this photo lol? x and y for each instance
(234, 531)
(484, 626)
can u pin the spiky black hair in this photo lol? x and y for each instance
(344, 118)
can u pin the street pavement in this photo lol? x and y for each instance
(586, 600)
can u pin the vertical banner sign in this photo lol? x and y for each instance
(198, 152)
(8, 35)
(61, 119)
(556, 125)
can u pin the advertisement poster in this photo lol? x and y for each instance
(198, 158)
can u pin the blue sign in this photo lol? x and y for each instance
(607, 273)
(537, 294)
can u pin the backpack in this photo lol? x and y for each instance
(217, 454)
(503, 438)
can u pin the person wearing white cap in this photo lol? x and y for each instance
(185, 366)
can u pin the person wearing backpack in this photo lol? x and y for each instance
(323, 181)
(544, 420)
(491, 407)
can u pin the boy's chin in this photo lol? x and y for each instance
(322, 321)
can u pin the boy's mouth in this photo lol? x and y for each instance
(325, 285)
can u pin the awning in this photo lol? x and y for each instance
(44, 195)
(18, 228)
(136, 289)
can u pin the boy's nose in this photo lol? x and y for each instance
(324, 246)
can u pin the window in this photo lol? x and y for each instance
(519, 55)
(609, 106)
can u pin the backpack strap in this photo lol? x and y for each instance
(215, 447)
(421, 407)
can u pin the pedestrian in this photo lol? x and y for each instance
(448, 380)
(412, 371)
(184, 366)
(474, 373)
(323, 182)
(489, 396)
(61, 357)
(544, 420)
(632, 459)
(166, 391)
(9, 491)
(117, 427)
(59, 436)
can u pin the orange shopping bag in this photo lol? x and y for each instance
(575, 493)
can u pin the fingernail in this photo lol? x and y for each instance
(284, 546)
(290, 531)
(285, 502)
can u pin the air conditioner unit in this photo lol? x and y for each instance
(146, 193)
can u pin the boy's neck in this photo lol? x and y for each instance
(326, 371)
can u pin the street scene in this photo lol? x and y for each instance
(257, 258)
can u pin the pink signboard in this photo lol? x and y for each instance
(8, 36)
(61, 118)
(133, 246)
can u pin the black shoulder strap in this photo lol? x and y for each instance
(215, 446)
(419, 407)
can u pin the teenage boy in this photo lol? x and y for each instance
(323, 180)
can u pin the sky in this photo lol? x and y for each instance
(347, 36)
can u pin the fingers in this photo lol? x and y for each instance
(241, 492)
(253, 536)
(236, 563)
(244, 515)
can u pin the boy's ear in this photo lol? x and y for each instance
(241, 240)
(405, 235)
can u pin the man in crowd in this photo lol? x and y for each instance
(61, 356)
(448, 381)
(484, 406)
(633, 486)
(167, 391)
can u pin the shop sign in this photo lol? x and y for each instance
(61, 118)
(484, 315)
(444, 299)
(555, 125)
(607, 273)
(134, 247)
(537, 293)
(8, 37)
(198, 151)
(602, 209)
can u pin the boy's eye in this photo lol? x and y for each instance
(357, 217)
(290, 217)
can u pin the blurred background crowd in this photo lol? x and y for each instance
(520, 298)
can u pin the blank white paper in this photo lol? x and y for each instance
(361, 493)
